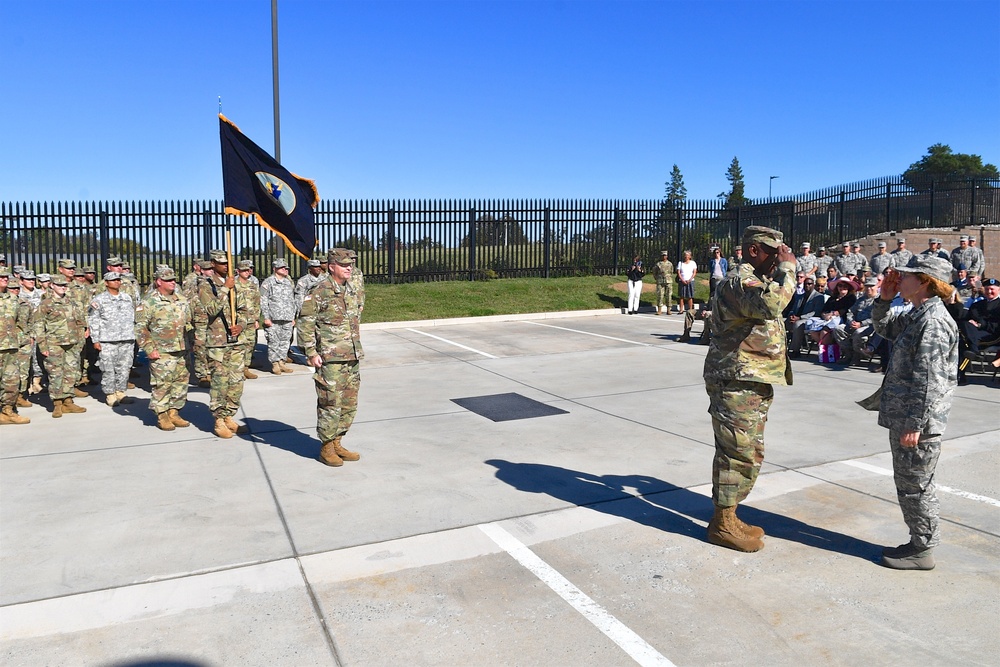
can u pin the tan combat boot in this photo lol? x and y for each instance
(163, 422)
(328, 455)
(753, 532)
(36, 386)
(79, 393)
(69, 407)
(249, 374)
(276, 368)
(220, 428)
(10, 416)
(112, 399)
(56, 408)
(285, 368)
(345, 454)
(723, 531)
(176, 419)
(22, 402)
(124, 398)
(233, 427)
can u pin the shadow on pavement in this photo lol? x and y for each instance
(281, 435)
(664, 506)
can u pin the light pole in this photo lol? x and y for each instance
(769, 182)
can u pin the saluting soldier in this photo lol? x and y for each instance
(12, 334)
(60, 327)
(746, 356)
(160, 323)
(111, 316)
(225, 356)
(247, 313)
(329, 331)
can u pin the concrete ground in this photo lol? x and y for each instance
(576, 538)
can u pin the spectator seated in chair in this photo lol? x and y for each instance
(980, 327)
(853, 334)
(802, 307)
(834, 311)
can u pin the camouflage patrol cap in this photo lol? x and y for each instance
(114, 261)
(60, 279)
(900, 241)
(19, 268)
(279, 263)
(27, 274)
(78, 272)
(881, 244)
(340, 256)
(963, 237)
(44, 277)
(219, 256)
(205, 263)
(89, 269)
(664, 253)
(112, 275)
(871, 282)
(353, 255)
(4, 271)
(161, 266)
(805, 244)
(245, 265)
(930, 265)
(67, 264)
(165, 273)
(771, 238)
(313, 263)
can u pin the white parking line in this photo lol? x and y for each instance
(944, 489)
(588, 333)
(615, 630)
(451, 342)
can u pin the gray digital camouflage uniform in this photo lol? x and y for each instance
(112, 326)
(277, 304)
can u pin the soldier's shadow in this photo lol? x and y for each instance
(658, 504)
(282, 436)
(197, 413)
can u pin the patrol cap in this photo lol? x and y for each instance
(963, 237)
(771, 238)
(205, 263)
(60, 279)
(313, 263)
(900, 241)
(27, 274)
(3, 258)
(19, 269)
(114, 261)
(846, 244)
(934, 239)
(881, 244)
(245, 265)
(805, 244)
(991, 282)
(44, 277)
(78, 272)
(279, 264)
(822, 248)
(871, 282)
(112, 275)
(340, 256)
(89, 269)
(165, 273)
(664, 253)
(4, 271)
(353, 255)
(855, 245)
(930, 265)
(67, 264)
(127, 275)
(219, 256)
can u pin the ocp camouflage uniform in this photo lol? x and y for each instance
(27, 351)
(225, 358)
(59, 325)
(277, 303)
(746, 356)
(33, 299)
(330, 327)
(112, 325)
(12, 333)
(303, 286)
(663, 273)
(357, 284)
(247, 315)
(160, 325)
(916, 396)
(199, 329)
(80, 295)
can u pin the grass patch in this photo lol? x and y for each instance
(439, 300)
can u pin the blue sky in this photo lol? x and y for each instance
(107, 100)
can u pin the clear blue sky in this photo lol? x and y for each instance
(118, 99)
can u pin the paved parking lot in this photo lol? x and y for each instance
(572, 538)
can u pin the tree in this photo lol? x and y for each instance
(734, 198)
(492, 232)
(941, 163)
(676, 192)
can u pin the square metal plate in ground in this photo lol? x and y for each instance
(507, 407)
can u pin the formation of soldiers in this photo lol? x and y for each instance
(61, 333)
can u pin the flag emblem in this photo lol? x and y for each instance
(283, 195)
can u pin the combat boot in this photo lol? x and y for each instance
(685, 337)
(753, 532)
(22, 402)
(176, 419)
(344, 454)
(10, 416)
(249, 374)
(36, 385)
(70, 407)
(220, 428)
(124, 398)
(276, 368)
(723, 531)
(233, 427)
(163, 422)
(328, 455)
(908, 557)
(112, 399)
(285, 368)
(79, 393)
(56, 408)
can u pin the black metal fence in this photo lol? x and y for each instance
(400, 241)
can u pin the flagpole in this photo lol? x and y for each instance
(280, 245)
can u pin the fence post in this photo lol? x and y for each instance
(888, 206)
(614, 242)
(547, 236)
(391, 242)
(472, 243)
(840, 217)
(791, 226)
(105, 243)
(972, 204)
(933, 192)
(679, 212)
(206, 217)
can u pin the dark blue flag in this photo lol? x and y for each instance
(255, 184)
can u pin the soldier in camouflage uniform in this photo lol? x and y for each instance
(663, 273)
(963, 254)
(277, 308)
(225, 355)
(247, 313)
(881, 260)
(199, 329)
(916, 397)
(329, 331)
(806, 262)
(823, 262)
(31, 367)
(304, 284)
(111, 316)
(357, 281)
(59, 327)
(12, 334)
(900, 256)
(161, 321)
(978, 265)
(746, 356)
(76, 293)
